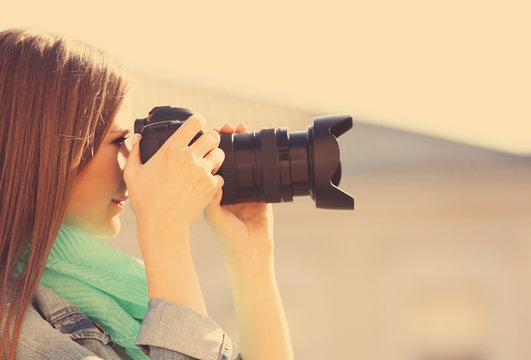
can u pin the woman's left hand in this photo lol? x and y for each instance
(244, 229)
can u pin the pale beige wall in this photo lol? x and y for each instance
(458, 69)
(431, 262)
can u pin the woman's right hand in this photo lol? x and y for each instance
(177, 183)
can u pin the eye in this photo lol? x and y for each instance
(119, 141)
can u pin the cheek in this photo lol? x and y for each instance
(108, 171)
(98, 183)
(90, 206)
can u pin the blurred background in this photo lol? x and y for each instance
(435, 260)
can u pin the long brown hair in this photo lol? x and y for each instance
(57, 100)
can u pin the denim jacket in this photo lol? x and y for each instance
(56, 329)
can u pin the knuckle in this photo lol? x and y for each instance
(217, 183)
(218, 157)
(197, 121)
(221, 181)
(187, 157)
(214, 136)
(221, 153)
(207, 172)
(171, 147)
(198, 162)
(213, 182)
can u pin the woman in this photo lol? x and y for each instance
(65, 172)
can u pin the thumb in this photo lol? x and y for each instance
(134, 160)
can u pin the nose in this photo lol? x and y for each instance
(123, 155)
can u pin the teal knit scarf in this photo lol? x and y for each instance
(106, 284)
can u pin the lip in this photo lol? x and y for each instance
(120, 201)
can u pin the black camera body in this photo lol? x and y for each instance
(161, 123)
(270, 165)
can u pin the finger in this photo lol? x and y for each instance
(186, 132)
(227, 128)
(206, 142)
(215, 159)
(241, 128)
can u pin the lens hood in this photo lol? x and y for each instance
(326, 164)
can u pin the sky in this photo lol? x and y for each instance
(454, 69)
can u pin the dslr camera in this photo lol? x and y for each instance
(270, 165)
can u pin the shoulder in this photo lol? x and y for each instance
(54, 328)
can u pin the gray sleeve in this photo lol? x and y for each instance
(177, 332)
(39, 340)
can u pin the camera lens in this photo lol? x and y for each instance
(274, 165)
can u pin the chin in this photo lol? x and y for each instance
(106, 229)
(112, 229)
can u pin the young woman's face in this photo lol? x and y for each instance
(100, 192)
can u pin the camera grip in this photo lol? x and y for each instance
(155, 136)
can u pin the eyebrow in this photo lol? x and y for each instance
(126, 131)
